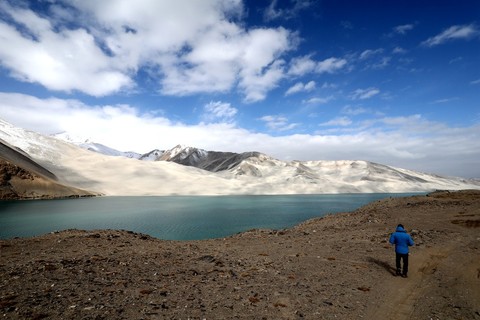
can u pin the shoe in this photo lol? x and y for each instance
(404, 276)
(398, 273)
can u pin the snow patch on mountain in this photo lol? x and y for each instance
(200, 172)
(87, 144)
(153, 155)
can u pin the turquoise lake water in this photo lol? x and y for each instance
(174, 218)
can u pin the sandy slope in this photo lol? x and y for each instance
(336, 267)
(109, 175)
(23, 178)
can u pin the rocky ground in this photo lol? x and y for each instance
(337, 267)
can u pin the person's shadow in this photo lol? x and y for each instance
(384, 265)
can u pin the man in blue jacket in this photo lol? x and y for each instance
(402, 240)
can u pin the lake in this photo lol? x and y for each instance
(175, 217)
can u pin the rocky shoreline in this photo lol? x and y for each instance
(336, 267)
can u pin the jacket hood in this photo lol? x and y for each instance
(400, 229)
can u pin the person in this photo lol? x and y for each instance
(402, 240)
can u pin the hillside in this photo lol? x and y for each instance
(336, 267)
(247, 173)
(23, 178)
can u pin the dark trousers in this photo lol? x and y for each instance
(404, 257)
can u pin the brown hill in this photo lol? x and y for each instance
(336, 267)
(23, 178)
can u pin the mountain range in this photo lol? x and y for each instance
(90, 168)
(189, 156)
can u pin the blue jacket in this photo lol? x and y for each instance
(402, 240)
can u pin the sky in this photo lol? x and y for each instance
(393, 82)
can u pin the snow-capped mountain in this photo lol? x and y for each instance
(189, 156)
(153, 155)
(87, 144)
(200, 172)
(213, 161)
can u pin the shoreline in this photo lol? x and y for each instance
(77, 196)
(317, 205)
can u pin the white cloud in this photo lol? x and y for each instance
(300, 87)
(187, 47)
(399, 50)
(339, 121)
(304, 65)
(65, 60)
(219, 111)
(445, 100)
(410, 142)
(475, 81)
(362, 94)
(373, 58)
(301, 65)
(318, 100)
(402, 29)
(261, 70)
(310, 86)
(330, 65)
(454, 32)
(354, 111)
(369, 53)
(404, 121)
(272, 12)
(327, 85)
(382, 63)
(278, 123)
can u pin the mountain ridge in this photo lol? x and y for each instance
(186, 155)
(191, 171)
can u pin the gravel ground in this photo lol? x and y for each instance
(337, 267)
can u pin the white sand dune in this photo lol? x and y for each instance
(117, 176)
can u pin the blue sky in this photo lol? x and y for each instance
(394, 83)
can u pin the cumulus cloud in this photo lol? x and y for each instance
(411, 142)
(453, 33)
(362, 94)
(63, 60)
(301, 87)
(186, 47)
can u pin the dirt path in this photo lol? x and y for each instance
(444, 277)
(404, 293)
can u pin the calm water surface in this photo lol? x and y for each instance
(174, 218)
